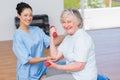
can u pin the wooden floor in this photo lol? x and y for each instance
(107, 47)
(7, 61)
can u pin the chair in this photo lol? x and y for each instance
(42, 21)
(102, 77)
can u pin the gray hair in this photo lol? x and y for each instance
(75, 13)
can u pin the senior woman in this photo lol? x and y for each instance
(77, 49)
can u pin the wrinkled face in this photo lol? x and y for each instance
(69, 24)
(26, 17)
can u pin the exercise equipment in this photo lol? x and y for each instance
(47, 64)
(102, 77)
(54, 33)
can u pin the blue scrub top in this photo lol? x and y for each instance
(27, 46)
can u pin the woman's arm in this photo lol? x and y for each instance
(37, 60)
(53, 49)
(76, 66)
(58, 39)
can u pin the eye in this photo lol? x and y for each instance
(63, 22)
(31, 15)
(25, 15)
(69, 21)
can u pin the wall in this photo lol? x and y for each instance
(51, 7)
(94, 18)
(101, 18)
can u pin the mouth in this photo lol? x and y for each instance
(29, 21)
(68, 28)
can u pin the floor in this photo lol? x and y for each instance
(107, 44)
(107, 47)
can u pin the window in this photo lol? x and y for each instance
(115, 3)
(91, 3)
(72, 4)
(97, 14)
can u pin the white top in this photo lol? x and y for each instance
(79, 47)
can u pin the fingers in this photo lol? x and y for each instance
(47, 64)
(53, 32)
(52, 29)
(50, 62)
(49, 58)
(53, 60)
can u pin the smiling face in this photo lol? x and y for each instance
(71, 20)
(69, 24)
(25, 17)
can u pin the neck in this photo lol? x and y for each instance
(24, 28)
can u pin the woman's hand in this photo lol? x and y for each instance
(52, 64)
(53, 32)
(49, 58)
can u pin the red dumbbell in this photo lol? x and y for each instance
(47, 64)
(54, 33)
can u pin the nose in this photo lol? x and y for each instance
(29, 18)
(65, 25)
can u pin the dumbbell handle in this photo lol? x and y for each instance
(47, 64)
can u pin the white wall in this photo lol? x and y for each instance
(94, 18)
(101, 18)
(51, 7)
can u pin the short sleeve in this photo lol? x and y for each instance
(46, 41)
(46, 38)
(20, 51)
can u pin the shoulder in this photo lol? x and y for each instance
(83, 34)
(17, 35)
(83, 37)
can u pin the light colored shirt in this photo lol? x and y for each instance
(27, 46)
(79, 47)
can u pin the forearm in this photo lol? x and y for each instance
(53, 49)
(77, 66)
(55, 41)
(37, 60)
